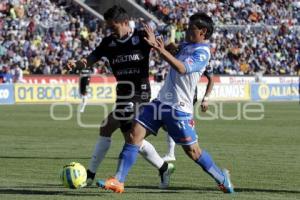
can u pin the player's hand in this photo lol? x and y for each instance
(80, 64)
(150, 36)
(70, 65)
(160, 45)
(204, 105)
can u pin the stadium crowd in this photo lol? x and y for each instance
(41, 36)
(228, 12)
(240, 49)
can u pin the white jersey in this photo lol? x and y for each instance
(179, 89)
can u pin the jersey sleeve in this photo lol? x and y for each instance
(97, 54)
(208, 71)
(197, 61)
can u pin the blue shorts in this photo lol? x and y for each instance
(180, 125)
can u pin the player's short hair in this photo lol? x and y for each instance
(116, 13)
(202, 20)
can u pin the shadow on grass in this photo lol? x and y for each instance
(34, 186)
(52, 189)
(74, 192)
(46, 189)
(214, 189)
(266, 190)
(44, 192)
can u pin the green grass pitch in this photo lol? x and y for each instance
(263, 156)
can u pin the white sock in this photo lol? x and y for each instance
(171, 146)
(99, 153)
(148, 151)
(83, 103)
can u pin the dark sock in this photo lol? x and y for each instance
(90, 174)
(163, 168)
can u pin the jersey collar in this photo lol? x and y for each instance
(126, 39)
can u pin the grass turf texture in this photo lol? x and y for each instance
(263, 156)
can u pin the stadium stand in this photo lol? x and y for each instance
(40, 36)
(246, 43)
(228, 12)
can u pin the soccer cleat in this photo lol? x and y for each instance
(90, 178)
(169, 158)
(111, 184)
(165, 176)
(227, 186)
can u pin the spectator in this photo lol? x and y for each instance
(43, 35)
(5, 75)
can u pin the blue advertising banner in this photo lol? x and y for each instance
(273, 92)
(7, 94)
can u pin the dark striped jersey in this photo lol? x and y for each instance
(129, 61)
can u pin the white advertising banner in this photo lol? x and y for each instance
(262, 79)
(222, 92)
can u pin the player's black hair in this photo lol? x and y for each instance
(202, 20)
(116, 13)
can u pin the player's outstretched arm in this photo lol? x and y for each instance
(158, 44)
(209, 87)
(89, 60)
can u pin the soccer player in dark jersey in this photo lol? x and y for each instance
(128, 54)
(208, 73)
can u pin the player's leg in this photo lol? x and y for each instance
(202, 158)
(181, 128)
(127, 159)
(170, 155)
(149, 153)
(130, 150)
(108, 126)
(147, 150)
(83, 83)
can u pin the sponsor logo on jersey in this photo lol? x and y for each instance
(135, 40)
(112, 44)
(127, 58)
(128, 71)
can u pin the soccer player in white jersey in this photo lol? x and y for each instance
(208, 73)
(174, 106)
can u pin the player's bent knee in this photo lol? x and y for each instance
(130, 138)
(137, 134)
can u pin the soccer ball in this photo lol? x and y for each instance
(73, 175)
